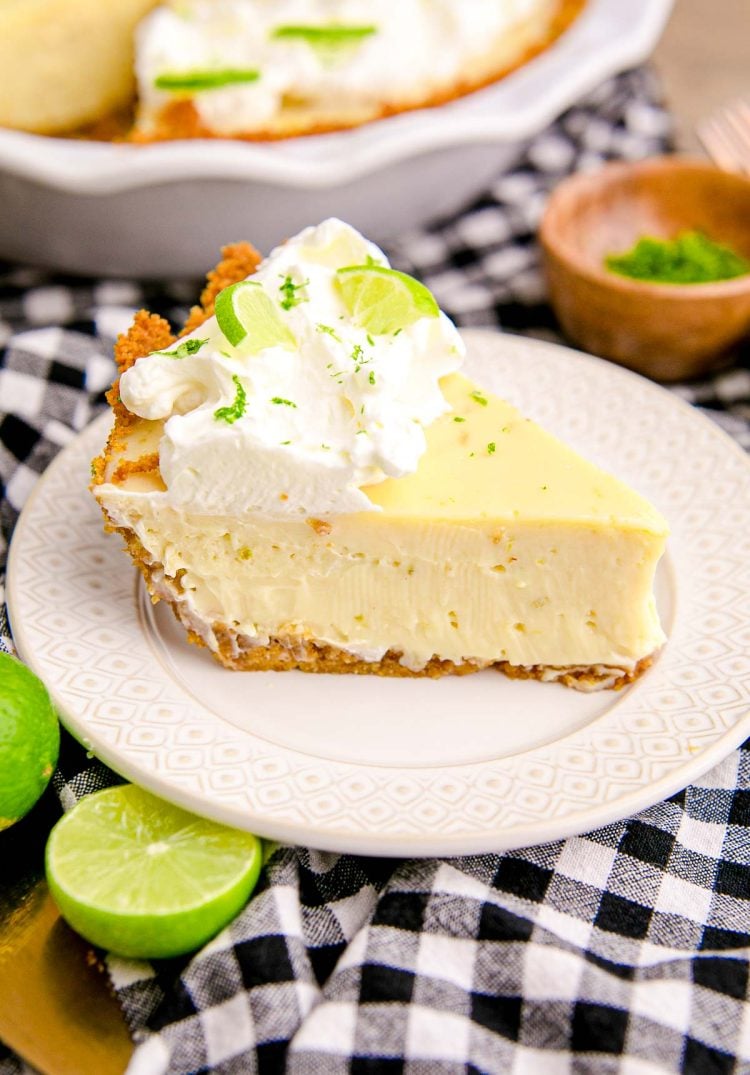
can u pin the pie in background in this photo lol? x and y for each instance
(256, 69)
(260, 70)
(66, 63)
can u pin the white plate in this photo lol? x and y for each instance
(163, 210)
(413, 767)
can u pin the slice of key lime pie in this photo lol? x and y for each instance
(310, 482)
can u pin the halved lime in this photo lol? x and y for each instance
(145, 879)
(29, 739)
(384, 300)
(245, 312)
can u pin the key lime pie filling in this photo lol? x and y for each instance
(277, 68)
(309, 480)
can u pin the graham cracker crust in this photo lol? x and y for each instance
(285, 654)
(150, 332)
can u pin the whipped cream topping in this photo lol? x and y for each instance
(309, 423)
(400, 50)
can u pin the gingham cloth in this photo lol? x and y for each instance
(625, 950)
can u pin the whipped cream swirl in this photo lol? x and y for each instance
(407, 50)
(309, 424)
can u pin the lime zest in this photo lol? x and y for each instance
(248, 316)
(283, 402)
(202, 79)
(329, 331)
(491, 448)
(382, 300)
(231, 413)
(187, 347)
(358, 357)
(289, 290)
(479, 398)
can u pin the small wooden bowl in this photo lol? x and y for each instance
(667, 331)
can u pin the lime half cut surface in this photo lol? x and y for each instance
(384, 300)
(145, 879)
(248, 317)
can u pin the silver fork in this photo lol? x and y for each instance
(725, 136)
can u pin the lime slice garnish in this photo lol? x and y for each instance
(332, 35)
(245, 310)
(384, 300)
(29, 739)
(145, 879)
(199, 79)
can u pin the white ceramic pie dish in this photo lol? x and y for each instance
(163, 210)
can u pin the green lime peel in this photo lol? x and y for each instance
(200, 80)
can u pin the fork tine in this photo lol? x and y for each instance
(726, 136)
(719, 146)
(739, 121)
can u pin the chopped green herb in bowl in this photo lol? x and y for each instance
(691, 258)
(648, 263)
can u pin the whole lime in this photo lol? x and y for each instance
(29, 739)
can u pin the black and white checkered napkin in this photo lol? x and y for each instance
(626, 950)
